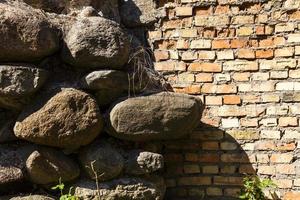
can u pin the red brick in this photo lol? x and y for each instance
(232, 99)
(239, 43)
(246, 53)
(218, 89)
(221, 44)
(292, 195)
(264, 53)
(205, 67)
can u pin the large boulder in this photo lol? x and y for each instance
(96, 42)
(46, 166)
(120, 189)
(108, 85)
(28, 197)
(69, 119)
(18, 83)
(106, 79)
(139, 12)
(140, 162)
(153, 117)
(25, 33)
(101, 161)
(12, 168)
(106, 8)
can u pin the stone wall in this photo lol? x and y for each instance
(81, 104)
(241, 57)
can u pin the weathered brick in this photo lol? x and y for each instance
(230, 123)
(188, 33)
(210, 169)
(283, 146)
(204, 77)
(228, 169)
(266, 98)
(161, 55)
(225, 55)
(182, 44)
(277, 110)
(264, 145)
(186, 77)
(284, 183)
(213, 100)
(266, 170)
(270, 134)
(219, 89)
(281, 86)
(201, 44)
(293, 38)
(262, 158)
(214, 191)
(172, 24)
(191, 169)
(291, 134)
(248, 134)
(281, 158)
(284, 27)
(198, 180)
(294, 73)
(257, 87)
(205, 67)
(184, 11)
(225, 180)
(288, 121)
(251, 122)
(292, 196)
(277, 64)
(262, 18)
(245, 31)
(221, 44)
(246, 53)
(268, 122)
(285, 52)
(241, 76)
(189, 56)
(264, 53)
(232, 192)
(222, 77)
(228, 146)
(240, 66)
(260, 76)
(206, 10)
(206, 55)
(239, 43)
(232, 99)
(279, 74)
(212, 21)
(154, 35)
(250, 98)
(243, 19)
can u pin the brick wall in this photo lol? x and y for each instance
(242, 59)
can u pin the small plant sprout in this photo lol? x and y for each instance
(253, 188)
(61, 186)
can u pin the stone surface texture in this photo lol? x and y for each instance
(158, 116)
(97, 43)
(69, 119)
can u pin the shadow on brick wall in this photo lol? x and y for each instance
(209, 164)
